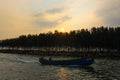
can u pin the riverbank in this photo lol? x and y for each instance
(94, 54)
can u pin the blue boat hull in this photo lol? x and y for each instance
(78, 62)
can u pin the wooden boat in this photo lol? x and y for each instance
(74, 62)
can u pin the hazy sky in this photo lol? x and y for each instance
(18, 17)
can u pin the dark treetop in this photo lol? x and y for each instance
(101, 37)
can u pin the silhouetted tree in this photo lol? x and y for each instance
(97, 37)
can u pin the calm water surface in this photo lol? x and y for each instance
(27, 67)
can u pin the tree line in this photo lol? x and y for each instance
(96, 37)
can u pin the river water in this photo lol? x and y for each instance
(27, 67)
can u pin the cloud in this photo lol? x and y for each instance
(109, 12)
(54, 10)
(38, 14)
(65, 18)
(46, 23)
(49, 19)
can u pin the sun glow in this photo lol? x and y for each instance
(62, 30)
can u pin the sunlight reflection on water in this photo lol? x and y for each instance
(27, 67)
(62, 74)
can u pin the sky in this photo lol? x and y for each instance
(22, 17)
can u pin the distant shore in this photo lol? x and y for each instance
(97, 42)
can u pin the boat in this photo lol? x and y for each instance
(72, 62)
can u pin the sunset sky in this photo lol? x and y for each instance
(18, 17)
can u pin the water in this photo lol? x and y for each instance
(27, 67)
